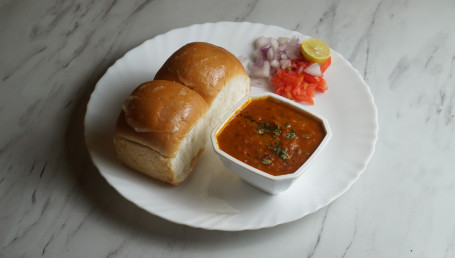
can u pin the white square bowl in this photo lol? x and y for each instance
(262, 180)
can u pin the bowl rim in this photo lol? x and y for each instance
(228, 116)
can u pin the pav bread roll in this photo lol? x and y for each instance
(165, 123)
(202, 67)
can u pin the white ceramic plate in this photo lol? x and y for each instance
(213, 197)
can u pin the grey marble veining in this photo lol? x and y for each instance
(54, 203)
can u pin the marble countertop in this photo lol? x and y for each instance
(54, 202)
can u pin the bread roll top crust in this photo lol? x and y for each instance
(158, 114)
(201, 66)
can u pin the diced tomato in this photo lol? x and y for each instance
(322, 86)
(326, 64)
(295, 84)
(312, 79)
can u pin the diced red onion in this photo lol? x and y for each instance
(313, 69)
(275, 64)
(285, 63)
(282, 41)
(270, 54)
(273, 54)
(261, 42)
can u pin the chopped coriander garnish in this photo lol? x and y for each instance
(277, 145)
(284, 155)
(266, 161)
(263, 128)
(278, 150)
(291, 134)
(287, 125)
(277, 131)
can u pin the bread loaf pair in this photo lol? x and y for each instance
(165, 123)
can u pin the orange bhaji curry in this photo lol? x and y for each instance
(271, 136)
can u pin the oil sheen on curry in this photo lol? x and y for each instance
(271, 136)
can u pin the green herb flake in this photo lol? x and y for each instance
(280, 151)
(291, 134)
(287, 125)
(277, 131)
(284, 155)
(274, 148)
(266, 161)
(263, 128)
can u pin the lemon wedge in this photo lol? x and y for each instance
(315, 50)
